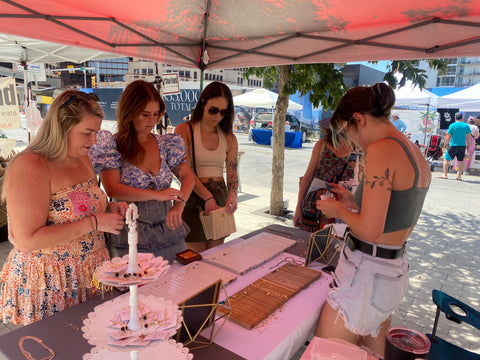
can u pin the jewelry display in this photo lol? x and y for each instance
(170, 350)
(136, 323)
(250, 253)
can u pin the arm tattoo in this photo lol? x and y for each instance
(232, 186)
(234, 165)
(380, 180)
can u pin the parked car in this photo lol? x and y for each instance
(264, 120)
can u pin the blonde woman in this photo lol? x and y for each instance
(57, 214)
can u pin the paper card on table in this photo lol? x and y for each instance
(121, 335)
(125, 313)
(250, 253)
(157, 335)
(130, 342)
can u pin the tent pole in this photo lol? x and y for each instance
(201, 80)
(425, 130)
(85, 74)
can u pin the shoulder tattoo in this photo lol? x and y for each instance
(380, 180)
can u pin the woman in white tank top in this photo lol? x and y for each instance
(215, 147)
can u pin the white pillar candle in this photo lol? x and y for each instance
(131, 220)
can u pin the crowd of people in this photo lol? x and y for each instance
(73, 227)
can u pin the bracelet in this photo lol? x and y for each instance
(28, 355)
(96, 222)
(91, 223)
(210, 198)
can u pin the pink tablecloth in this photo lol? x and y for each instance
(285, 331)
(307, 355)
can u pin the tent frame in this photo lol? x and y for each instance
(202, 62)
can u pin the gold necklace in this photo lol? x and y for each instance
(29, 355)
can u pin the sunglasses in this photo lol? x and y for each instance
(81, 95)
(214, 111)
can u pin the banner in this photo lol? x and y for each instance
(180, 105)
(447, 117)
(9, 109)
(170, 83)
(108, 101)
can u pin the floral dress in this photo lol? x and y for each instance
(40, 283)
(154, 236)
(330, 169)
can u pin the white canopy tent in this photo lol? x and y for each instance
(262, 98)
(465, 100)
(16, 49)
(410, 95)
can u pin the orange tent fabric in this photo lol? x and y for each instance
(243, 33)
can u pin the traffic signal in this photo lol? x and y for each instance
(93, 81)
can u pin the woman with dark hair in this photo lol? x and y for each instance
(137, 166)
(57, 214)
(328, 164)
(215, 146)
(372, 273)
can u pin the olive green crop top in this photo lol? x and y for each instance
(405, 205)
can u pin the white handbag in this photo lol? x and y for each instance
(218, 224)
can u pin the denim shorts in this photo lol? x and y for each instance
(366, 289)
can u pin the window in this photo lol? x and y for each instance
(451, 70)
(144, 71)
(135, 71)
(195, 75)
(150, 71)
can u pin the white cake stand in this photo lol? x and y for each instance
(131, 270)
(97, 332)
(170, 350)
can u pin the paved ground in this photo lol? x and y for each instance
(444, 249)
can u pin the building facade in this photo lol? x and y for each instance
(147, 70)
(461, 72)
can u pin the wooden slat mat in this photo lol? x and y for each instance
(256, 302)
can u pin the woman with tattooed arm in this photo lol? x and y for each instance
(211, 146)
(372, 274)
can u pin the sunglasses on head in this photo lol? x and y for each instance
(214, 111)
(81, 95)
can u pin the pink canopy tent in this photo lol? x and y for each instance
(232, 33)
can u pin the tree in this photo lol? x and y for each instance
(326, 86)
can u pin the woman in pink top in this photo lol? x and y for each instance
(210, 129)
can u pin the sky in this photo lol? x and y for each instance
(381, 65)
